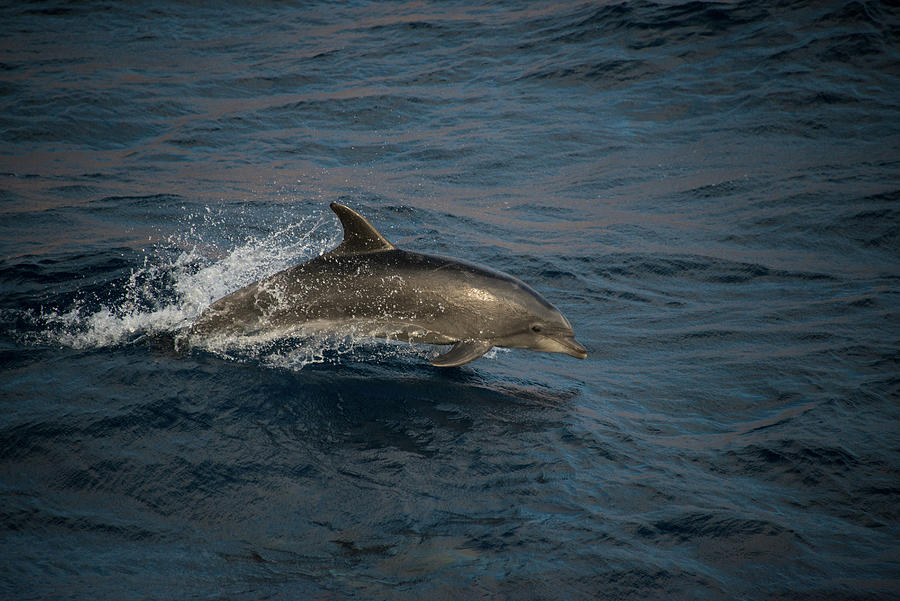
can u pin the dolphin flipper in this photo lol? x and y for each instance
(462, 352)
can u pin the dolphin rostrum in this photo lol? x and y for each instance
(369, 287)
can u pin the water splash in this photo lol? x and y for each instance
(179, 278)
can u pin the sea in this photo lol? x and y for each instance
(709, 191)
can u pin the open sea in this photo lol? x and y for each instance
(709, 191)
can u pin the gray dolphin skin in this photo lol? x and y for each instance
(367, 286)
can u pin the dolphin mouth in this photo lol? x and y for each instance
(572, 348)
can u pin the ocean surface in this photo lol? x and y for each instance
(709, 191)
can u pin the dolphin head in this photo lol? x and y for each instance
(549, 334)
(551, 339)
(539, 326)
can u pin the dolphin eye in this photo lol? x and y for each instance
(536, 328)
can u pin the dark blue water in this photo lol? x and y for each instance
(709, 191)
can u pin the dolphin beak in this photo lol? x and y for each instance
(570, 347)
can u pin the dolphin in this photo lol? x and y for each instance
(369, 287)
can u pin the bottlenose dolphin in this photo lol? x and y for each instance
(369, 287)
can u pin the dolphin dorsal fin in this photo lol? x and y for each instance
(359, 235)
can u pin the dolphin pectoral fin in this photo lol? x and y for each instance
(462, 352)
